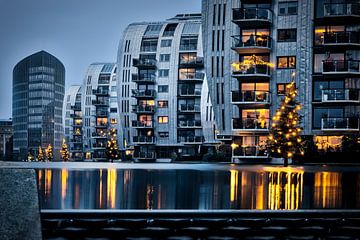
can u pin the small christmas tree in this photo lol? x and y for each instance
(40, 157)
(284, 139)
(49, 153)
(112, 149)
(65, 155)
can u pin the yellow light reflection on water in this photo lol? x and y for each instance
(48, 176)
(111, 187)
(64, 182)
(234, 178)
(100, 189)
(327, 192)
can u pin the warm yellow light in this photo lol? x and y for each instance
(234, 145)
(289, 154)
(279, 151)
(289, 143)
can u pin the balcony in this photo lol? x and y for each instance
(143, 93)
(342, 10)
(76, 107)
(189, 108)
(191, 139)
(258, 71)
(252, 17)
(102, 125)
(341, 67)
(140, 109)
(251, 124)
(250, 152)
(99, 145)
(101, 113)
(189, 77)
(100, 103)
(145, 63)
(76, 116)
(193, 62)
(340, 96)
(189, 124)
(340, 124)
(101, 92)
(144, 78)
(341, 39)
(142, 124)
(99, 135)
(254, 45)
(144, 155)
(143, 140)
(190, 92)
(258, 98)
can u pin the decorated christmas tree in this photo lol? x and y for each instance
(65, 155)
(49, 153)
(112, 149)
(284, 139)
(40, 157)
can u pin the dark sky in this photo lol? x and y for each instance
(77, 32)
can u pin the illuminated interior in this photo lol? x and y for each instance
(328, 143)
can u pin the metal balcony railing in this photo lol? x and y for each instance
(341, 66)
(340, 95)
(144, 62)
(141, 124)
(144, 93)
(189, 108)
(143, 109)
(191, 139)
(341, 9)
(195, 61)
(197, 76)
(342, 124)
(144, 77)
(251, 42)
(189, 123)
(251, 97)
(251, 123)
(341, 37)
(246, 14)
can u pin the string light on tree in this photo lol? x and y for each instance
(40, 157)
(65, 155)
(112, 149)
(49, 153)
(284, 140)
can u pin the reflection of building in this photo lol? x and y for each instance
(162, 90)
(73, 122)
(328, 190)
(38, 93)
(6, 134)
(246, 41)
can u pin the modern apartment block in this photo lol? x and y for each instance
(6, 136)
(38, 93)
(253, 49)
(73, 122)
(162, 90)
(99, 109)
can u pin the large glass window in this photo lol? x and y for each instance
(188, 43)
(288, 8)
(286, 62)
(319, 86)
(330, 57)
(328, 34)
(286, 35)
(320, 113)
(166, 43)
(149, 45)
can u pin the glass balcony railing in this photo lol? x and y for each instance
(341, 66)
(188, 47)
(142, 124)
(143, 109)
(258, 69)
(144, 62)
(144, 93)
(100, 102)
(251, 42)
(144, 77)
(189, 108)
(102, 125)
(190, 92)
(144, 139)
(343, 124)
(250, 14)
(144, 155)
(191, 139)
(99, 135)
(198, 76)
(251, 123)
(99, 145)
(341, 9)
(340, 95)
(250, 152)
(102, 113)
(195, 61)
(251, 97)
(344, 37)
(101, 91)
(189, 123)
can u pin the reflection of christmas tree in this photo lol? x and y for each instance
(49, 153)
(112, 149)
(65, 155)
(40, 157)
(284, 139)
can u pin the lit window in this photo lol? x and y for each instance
(328, 143)
(113, 121)
(163, 119)
(162, 104)
(282, 88)
(286, 62)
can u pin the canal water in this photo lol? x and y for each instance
(200, 188)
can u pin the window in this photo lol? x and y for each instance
(113, 110)
(163, 88)
(282, 88)
(163, 134)
(188, 43)
(286, 62)
(166, 43)
(113, 121)
(163, 72)
(163, 104)
(164, 57)
(163, 119)
(287, 35)
(288, 8)
(153, 30)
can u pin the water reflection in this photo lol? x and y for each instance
(269, 188)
